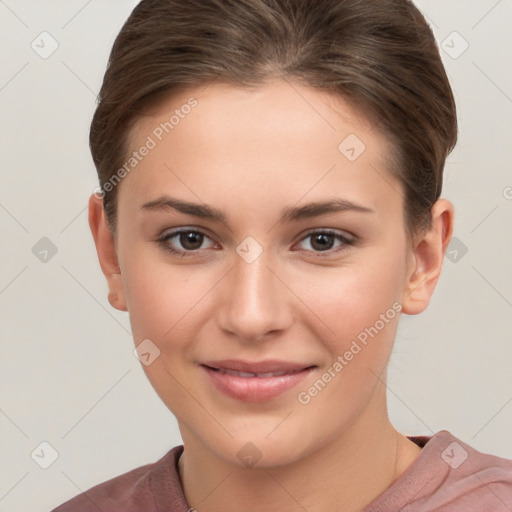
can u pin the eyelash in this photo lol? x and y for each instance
(346, 243)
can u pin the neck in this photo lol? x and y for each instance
(346, 474)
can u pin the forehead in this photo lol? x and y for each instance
(282, 107)
(275, 140)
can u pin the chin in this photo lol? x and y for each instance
(253, 450)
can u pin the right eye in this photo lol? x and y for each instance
(190, 240)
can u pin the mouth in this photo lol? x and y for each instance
(255, 382)
(246, 375)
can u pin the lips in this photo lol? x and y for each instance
(256, 367)
(249, 374)
(255, 381)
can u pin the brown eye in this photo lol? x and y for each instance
(191, 240)
(185, 242)
(326, 241)
(322, 241)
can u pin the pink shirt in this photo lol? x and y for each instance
(448, 475)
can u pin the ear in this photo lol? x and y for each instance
(105, 247)
(427, 259)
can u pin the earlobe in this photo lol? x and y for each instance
(105, 247)
(427, 259)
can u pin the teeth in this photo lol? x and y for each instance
(259, 375)
(272, 374)
(244, 374)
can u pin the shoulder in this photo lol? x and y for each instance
(133, 490)
(475, 478)
(463, 477)
(449, 475)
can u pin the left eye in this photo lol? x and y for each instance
(323, 241)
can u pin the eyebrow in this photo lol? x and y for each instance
(289, 214)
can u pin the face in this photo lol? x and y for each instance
(263, 252)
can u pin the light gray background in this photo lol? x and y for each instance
(68, 374)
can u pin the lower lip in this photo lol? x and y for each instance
(255, 389)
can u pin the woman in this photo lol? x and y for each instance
(270, 176)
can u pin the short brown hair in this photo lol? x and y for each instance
(380, 55)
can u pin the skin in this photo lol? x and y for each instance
(251, 153)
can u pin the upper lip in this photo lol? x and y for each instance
(257, 367)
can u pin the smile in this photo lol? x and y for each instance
(255, 382)
(258, 375)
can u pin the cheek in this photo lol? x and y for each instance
(162, 298)
(350, 299)
(361, 308)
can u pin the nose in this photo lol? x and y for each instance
(255, 302)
